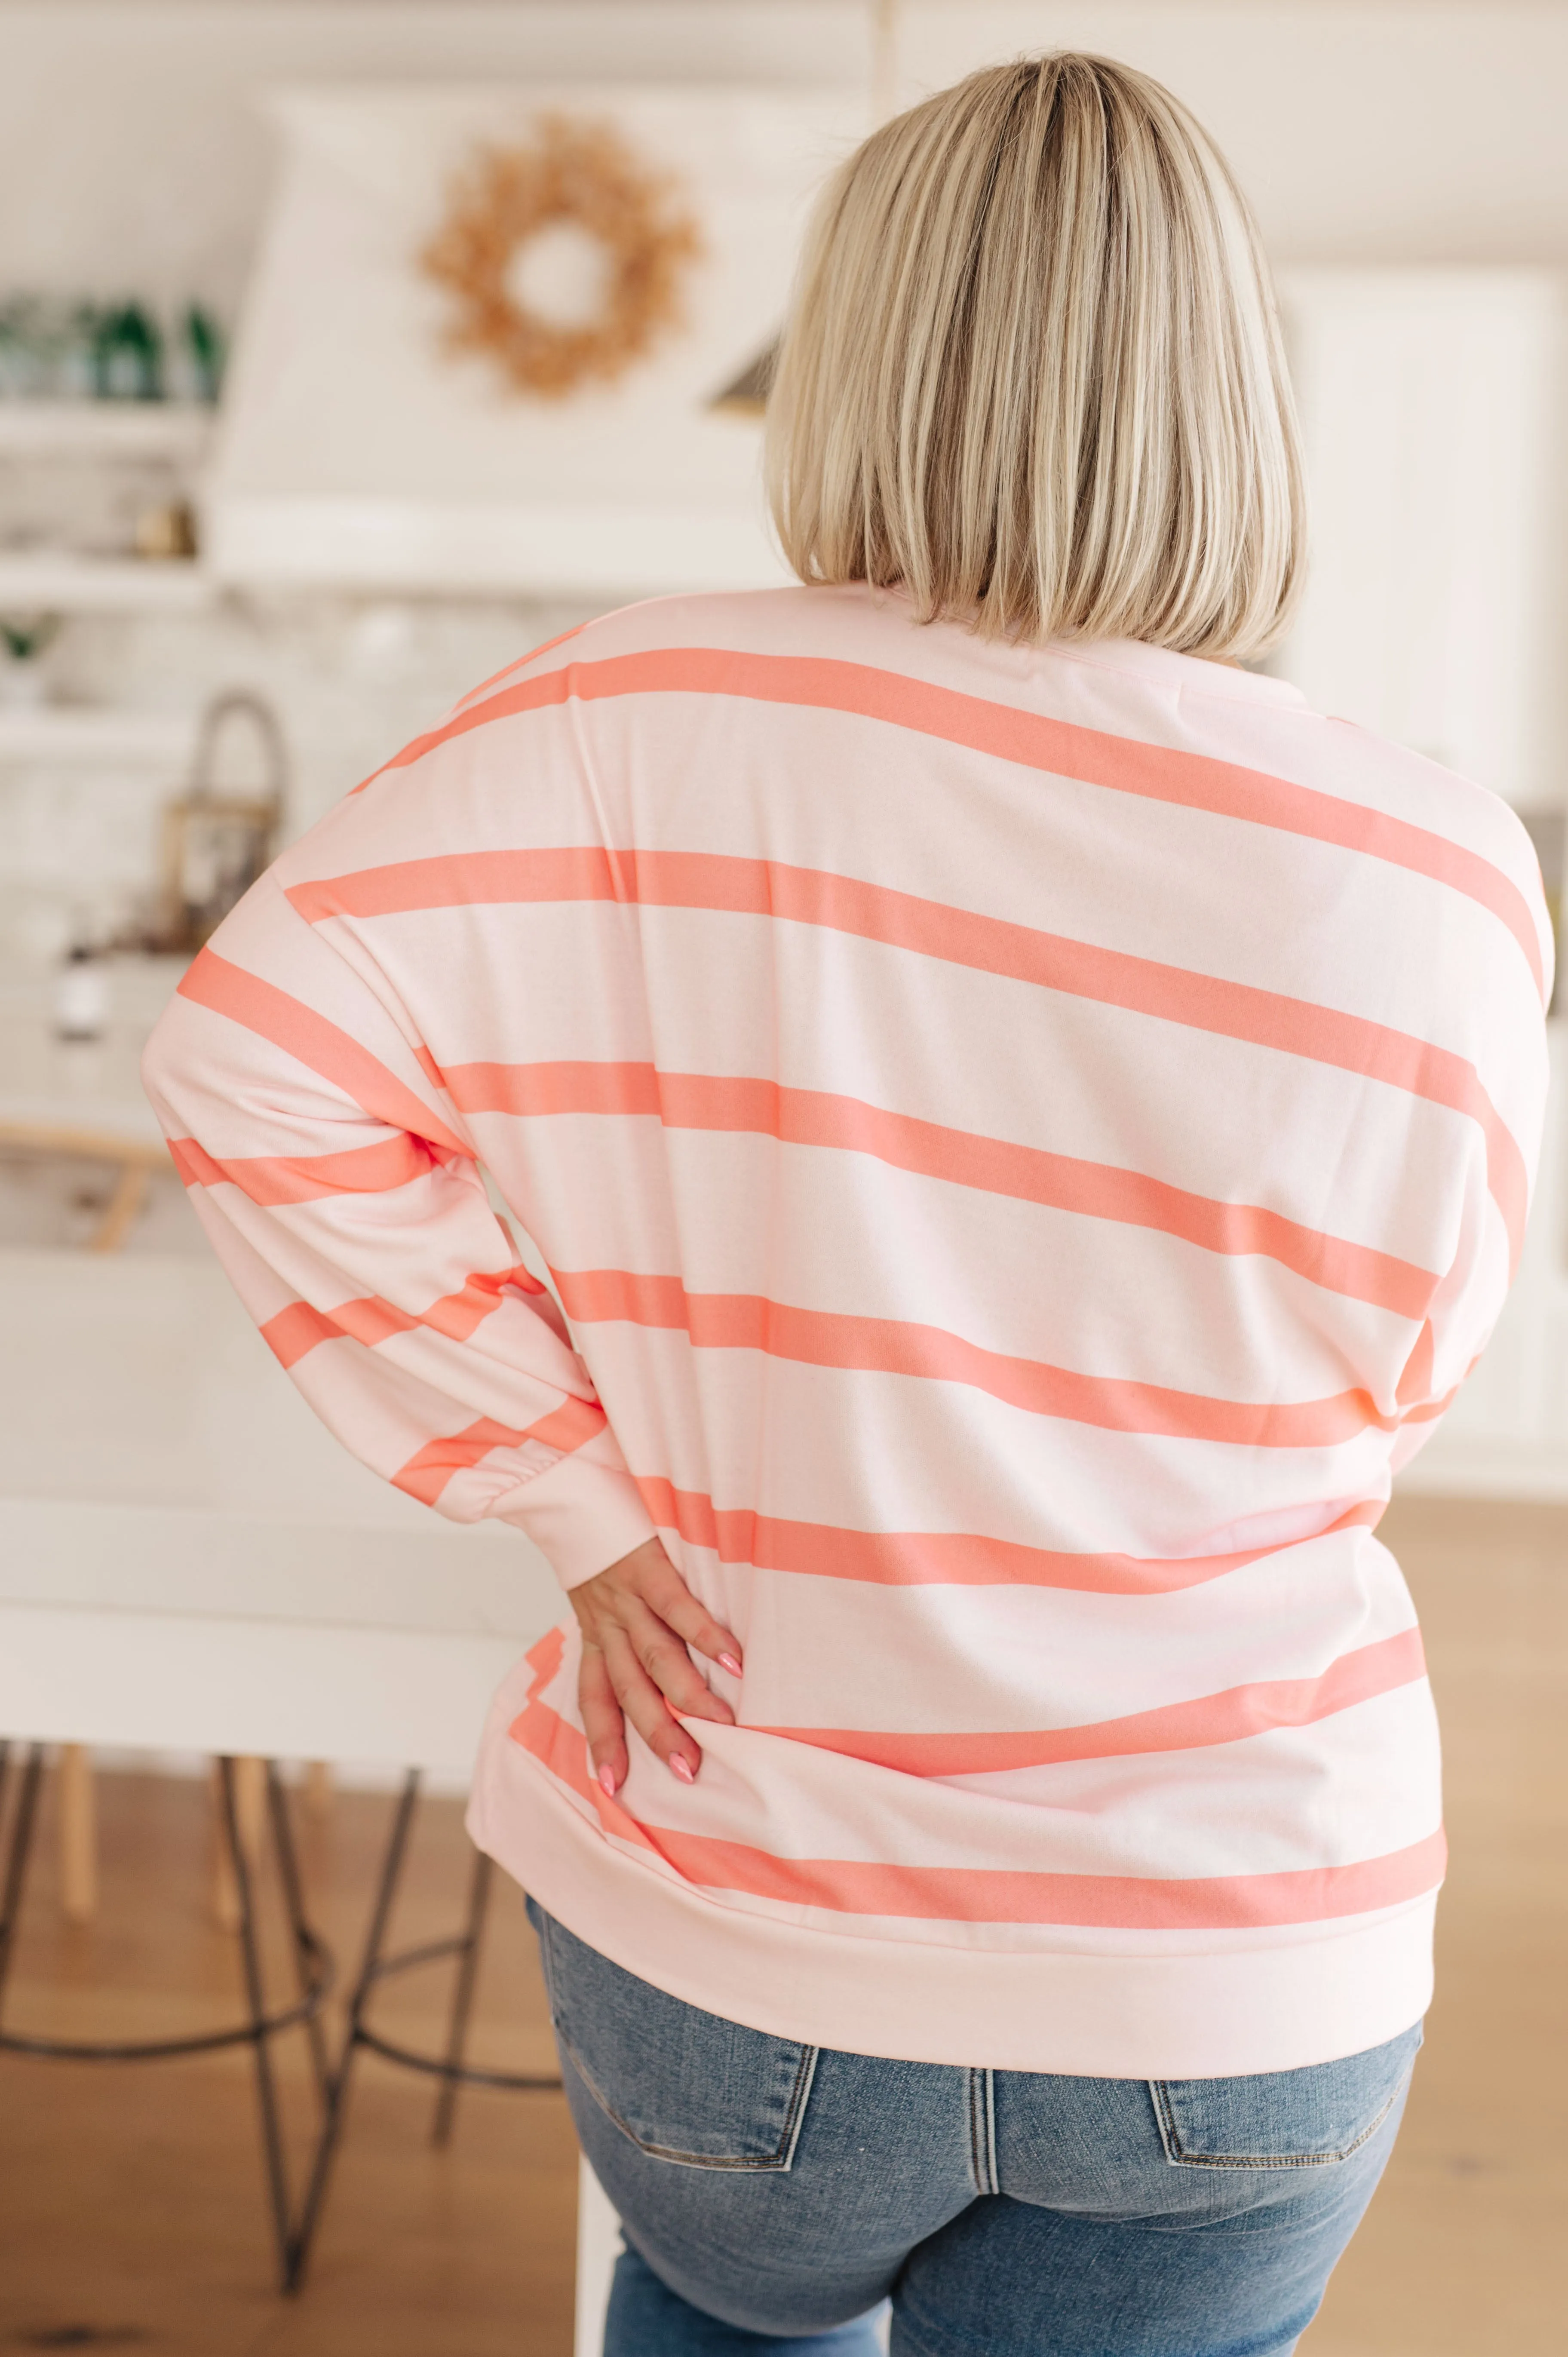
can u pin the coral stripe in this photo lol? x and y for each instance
(718, 881)
(297, 1331)
(570, 1425)
(891, 1346)
(259, 1006)
(273, 1179)
(369, 1321)
(1124, 765)
(993, 1166)
(1001, 1895)
(430, 1469)
(942, 1559)
(961, 1894)
(561, 639)
(545, 1659)
(456, 1315)
(466, 879)
(476, 696)
(1428, 1411)
(1228, 1718)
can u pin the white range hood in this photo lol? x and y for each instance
(356, 451)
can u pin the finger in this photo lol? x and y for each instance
(643, 1704)
(616, 1610)
(603, 1722)
(663, 1590)
(670, 1665)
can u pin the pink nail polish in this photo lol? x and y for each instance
(608, 1781)
(727, 1661)
(681, 1766)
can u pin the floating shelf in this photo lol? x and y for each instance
(85, 734)
(38, 583)
(107, 429)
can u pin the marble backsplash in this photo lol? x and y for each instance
(350, 681)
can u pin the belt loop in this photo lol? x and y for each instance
(993, 2183)
(983, 2131)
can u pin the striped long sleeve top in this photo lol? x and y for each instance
(1009, 1149)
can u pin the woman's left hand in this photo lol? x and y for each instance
(637, 1618)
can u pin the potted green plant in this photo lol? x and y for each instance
(21, 664)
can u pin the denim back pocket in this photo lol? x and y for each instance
(1283, 2119)
(684, 2085)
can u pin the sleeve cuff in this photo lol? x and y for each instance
(581, 1517)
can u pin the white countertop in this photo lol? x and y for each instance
(138, 1381)
(189, 1560)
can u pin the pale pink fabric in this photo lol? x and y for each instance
(1025, 1142)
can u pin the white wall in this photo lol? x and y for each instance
(1433, 405)
(132, 155)
(1366, 130)
(133, 160)
(1363, 130)
(80, 844)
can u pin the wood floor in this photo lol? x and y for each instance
(130, 2212)
(130, 2196)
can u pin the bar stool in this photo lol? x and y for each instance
(272, 1599)
(450, 2066)
(261, 2023)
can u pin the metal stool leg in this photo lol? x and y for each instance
(266, 2088)
(304, 1938)
(462, 2000)
(20, 1848)
(338, 2086)
(313, 1963)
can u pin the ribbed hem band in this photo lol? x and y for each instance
(1184, 2015)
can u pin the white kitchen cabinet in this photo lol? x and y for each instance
(1435, 416)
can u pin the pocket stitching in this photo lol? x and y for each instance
(783, 2155)
(1170, 2137)
(778, 2163)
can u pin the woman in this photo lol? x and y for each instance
(1027, 1126)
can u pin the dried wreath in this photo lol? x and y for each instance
(583, 174)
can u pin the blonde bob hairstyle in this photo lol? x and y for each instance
(1034, 375)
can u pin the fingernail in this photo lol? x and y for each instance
(681, 1766)
(608, 1781)
(727, 1661)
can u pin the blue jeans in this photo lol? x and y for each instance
(773, 2195)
